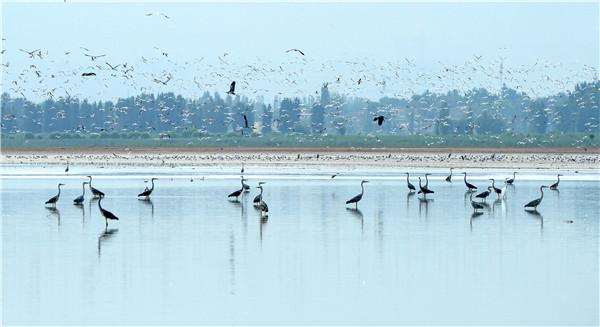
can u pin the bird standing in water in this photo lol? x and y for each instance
(54, 199)
(357, 198)
(105, 213)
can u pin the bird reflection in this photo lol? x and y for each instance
(535, 214)
(424, 203)
(54, 212)
(105, 236)
(474, 215)
(149, 202)
(262, 225)
(232, 261)
(358, 214)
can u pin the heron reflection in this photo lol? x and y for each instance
(53, 211)
(106, 235)
(358, 214)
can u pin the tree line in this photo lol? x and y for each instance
(475, 112)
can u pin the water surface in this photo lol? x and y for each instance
(190, 256)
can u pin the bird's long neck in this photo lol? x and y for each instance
(99, 206)
(493, 185)
(152, 188)
(362, 188)
(83, 188)
(558, 179)
(90, 181)
(59, 190)
(426, 181)
(407, 178)
(465, 178)
(420, 186)
(261, 191)
(542, 191)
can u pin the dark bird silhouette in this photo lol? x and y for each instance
(262, 205)
(476, 206)
(470, 187)
(237, 193)
(148, 191)
(511, 180)
(88, 74)
(79, 200)
(300, 52)
(423, 188)
(93, 57)
(95, 192)
(496, 190)
(411, 188)
(483, 195)
(54, 199)
(555, 185)
(535, 203)
(379, 120)
(357, 198)
(258, 198)
(449, 178)
(67, 169)
(231, 88)
(245, 120)
(105, 213)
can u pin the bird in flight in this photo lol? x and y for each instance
(113, 67)
(93, 57)
(88, 74)
(30, 53)
(231, 88)
(156, 80)
(300, 52)
(379, 120)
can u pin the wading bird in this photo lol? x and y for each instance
(496, 190)
(54, 199)
(535, 203)
(423, 188)
(411, 188)
(79, 200)
(449, 178)
(258, 198)
(470, 187)
(95, 192)
(106, 214)
(511, 180)
(245, 186)
(357, 198)
(237, 193)
(147, 192)
(483, 195)
(476, 206)
(67, 169)
(262, 205)
(555, 185)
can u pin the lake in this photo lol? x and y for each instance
(190, 256)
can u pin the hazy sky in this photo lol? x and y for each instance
(432, 35)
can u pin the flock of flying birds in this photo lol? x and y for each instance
(261, 205)
(158, 71)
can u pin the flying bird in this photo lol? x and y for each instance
(300, 52)
(94, 57)
(379, 120)
(231, 88)
(88, 74)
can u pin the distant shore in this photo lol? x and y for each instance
(549, 158)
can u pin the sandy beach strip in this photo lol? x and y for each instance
(553, 158)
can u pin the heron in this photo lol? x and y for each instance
(476, 206)
(470, 187)
(54, 199)
(483, 195)
(449, 178)
(511, 180)
(79, 200)
(424, 189)
(262, 205)
(497, 190)
(411, 188)
(245, 186)
(554, 186)
(535, 203)
(105, 213)
(237, 193)
(258, 198)
(148, 191)
(97, 193)
(231, 88)
(357, 198)
(67, 169)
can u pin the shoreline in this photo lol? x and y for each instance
(548, 158)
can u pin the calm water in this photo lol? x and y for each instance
(190, 256)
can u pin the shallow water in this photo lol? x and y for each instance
(191, 257)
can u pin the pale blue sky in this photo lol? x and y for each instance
(432, 35)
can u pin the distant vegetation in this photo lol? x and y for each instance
(475, 118)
